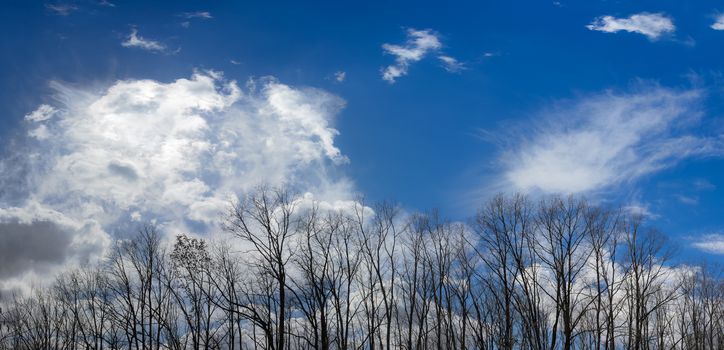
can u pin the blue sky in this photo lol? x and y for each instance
(619, 101)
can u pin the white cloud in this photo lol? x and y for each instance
(718, 23)
(652, 25)
(711, 243)
(42, 113)
(340, 76)
(198, 14)
(419, 43)
(639, 209)
(605, 140)
(135, 40)
(61, 9)
(451, 64)
(688, 200)
(174, 152)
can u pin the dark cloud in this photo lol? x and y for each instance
(34, 246)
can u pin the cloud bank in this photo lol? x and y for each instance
(652, 25)
(174, 153)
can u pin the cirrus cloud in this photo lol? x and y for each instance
(607, 139)
(711, 243)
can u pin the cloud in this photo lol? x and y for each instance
(340, 76)
(61, 9)
(419, 43)
(703, 185)
(605, 140)
(198, 14)
(639, 209)
(451, 64)
(135, 40)
(44, 112)
(652, 25)
(718, 22)
(711, 243)
(38, 242)
(174, 152)
(688, 200)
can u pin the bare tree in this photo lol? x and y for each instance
(265, 221)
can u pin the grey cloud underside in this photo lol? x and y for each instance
(123, 170)
(32, 246)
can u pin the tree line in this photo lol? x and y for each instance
(556, 273)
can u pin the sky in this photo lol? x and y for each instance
(117, 113)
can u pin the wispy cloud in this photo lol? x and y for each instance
(606, 139)
(135, 40)
(688, 200)
(61, 9)
(718, 22)
(419, 43)
(340, 76)
(711, 243)
(451, 64)
(43, 113)
(640, 209)
(652, 25)
(197, 14)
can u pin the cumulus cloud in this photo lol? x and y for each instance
(718, 22)
(652, 25)
(606, 139)
(711, 243)
(340, 76)
(419, 43)
(135, 40)
(174, 152)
